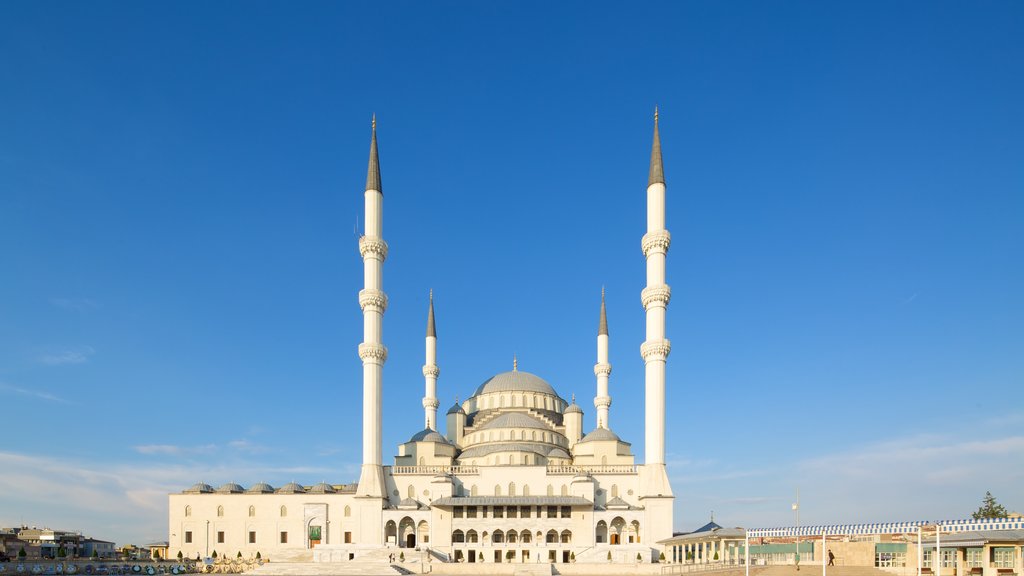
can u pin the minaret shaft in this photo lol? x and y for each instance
(430, 371)
(603, 369)
(373, 302)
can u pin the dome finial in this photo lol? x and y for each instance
(515, 363)
(574, 398)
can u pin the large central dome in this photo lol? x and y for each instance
(515, 381)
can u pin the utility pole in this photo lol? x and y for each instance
(796, 509)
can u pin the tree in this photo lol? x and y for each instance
(95, 553)
(510, 555)
(401, 557)
(661, 557)
(638, 557)
(609, 555)
(258, 555)
(214, 555)
(990, 508)
(239, 554)
(156, 555)
(180, 556)
(61, 552)
(22, 553)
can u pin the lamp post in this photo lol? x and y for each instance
(796, 509)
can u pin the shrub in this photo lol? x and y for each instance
(716, 556)
(661, 557)
(401, 557)
(22, 553)
(95, 553)
(180, 555)
(239, 554)
(214, 555)
(609, 555)
(638, 557)
(258, 555)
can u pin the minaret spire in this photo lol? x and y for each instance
(657, 172)
(656, 347)
(373, 170)
(373, 301)
(430, 371)
(602, 401)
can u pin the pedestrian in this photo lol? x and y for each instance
(831, 558)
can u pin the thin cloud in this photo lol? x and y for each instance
(174, 450)
(76, 355)
(40, 394)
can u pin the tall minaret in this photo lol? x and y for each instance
(431, 371)
(373, 301)
(602, 369)
(656, 347)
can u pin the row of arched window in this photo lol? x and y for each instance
(474, 491)
(511, 537)
(252, 511)
(513, 401)
(533, 436)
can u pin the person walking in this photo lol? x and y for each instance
(831, 558)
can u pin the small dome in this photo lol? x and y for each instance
(199, 488)
(558, 453)
(513, 420)
(600, 434)
(230, 488)
(574, 409)
(260, 488)
(456, 409)
(515, 381)
(322, 488)
(291, 488)
(428, 435)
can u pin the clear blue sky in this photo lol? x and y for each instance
(179, 183)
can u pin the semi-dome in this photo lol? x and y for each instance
(260, 488)
(230, 488)
(322, 488)
(515, 381)
(428, 435)
(600, 434)
(199, 488)
(514, 420)
(291, 488)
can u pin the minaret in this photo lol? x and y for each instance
(373, 301)
(602, 369)
(656, 347)
(431, 371)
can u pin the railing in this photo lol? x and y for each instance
(598, 469)
(688, 567)
(434, 470)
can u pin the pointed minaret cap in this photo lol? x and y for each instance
(431, 331)
(602, 327)
(373, 171)
(657, 173)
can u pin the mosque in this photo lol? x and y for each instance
(514, 477)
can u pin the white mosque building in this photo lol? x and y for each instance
(514, 477)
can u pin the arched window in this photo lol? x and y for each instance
(497, 489)
(220, 510)
(471, 536)
(511, 488)
(252, 511)
(615, 490)
(565, 490)
(422, 461)
(526, 489)
(348, 511)
(551, 490)
(458, 537)
(525, 537)
(410, 492)
(472, 490)
(604, 460)
(188, 511)
(566, 537)
(511, 459)
(498, 537)
(284, 511)
(552, 537)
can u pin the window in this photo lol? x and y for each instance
(220, 510)
(348, 511)
(457, 512)
(188, 511)
(188, 537)
(551, 490)
(889, 559)
(348, 540)
(471, 537)
(284, 511)
(552, 512)
(524, 512)
(220, 537)
(511, 511)
(974, 557)
(526, 489)
(1002, 556)
(499, 511)
(252, 511)
(252, 537)
(284, 537)
(552, 538)
(458, 537)
(566, 512)
(949, 558)
(497, 490)
(470, 511)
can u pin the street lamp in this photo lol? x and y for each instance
(796, 509)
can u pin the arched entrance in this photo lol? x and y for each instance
(615, 531)
(407, 533)
(601, 533)
(391, 532)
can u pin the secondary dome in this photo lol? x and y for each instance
(291, 488)
(230, 488)
(199, 488)
(260, 488)
(513, 420)
(428, 435)
(515, 381)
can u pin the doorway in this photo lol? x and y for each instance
(410, 540)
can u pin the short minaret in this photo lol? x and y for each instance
(573, 420)
(656, 347)
(602, 369)
(431, 371)
(373, 301)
